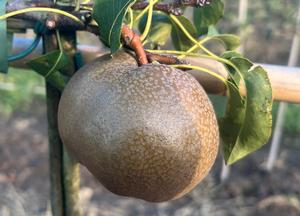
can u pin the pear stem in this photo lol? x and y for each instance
(132, 40)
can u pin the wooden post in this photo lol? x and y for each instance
(55, 144)
(71, 169)
(55, 153)
(64, 170)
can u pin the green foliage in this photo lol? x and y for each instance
(229, 41)
(292, 118)
(247, 124)
(109, 15)
(160, 31)
(163, 27)
(207, 16)
(219, 104)
(231, 124)
(180, 41)
(18, 89)
(49, 66)
(268, 30)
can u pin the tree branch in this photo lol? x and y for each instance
(54, 21)
(174, 7)
(164, 59)
(131, 39)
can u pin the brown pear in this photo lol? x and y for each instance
(147, 132)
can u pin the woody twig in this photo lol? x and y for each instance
(174, 7)
(165, 59)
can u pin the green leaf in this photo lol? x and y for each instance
(243, 65)
(160, 31)
(231, 54)
(257, 126)
(219, 103)
(212, 31)
(48, 66)
(109, 15)
(247, 124)
(229, 41)
(232, 123)
(242, 62)
(208, 15)
(180, 40)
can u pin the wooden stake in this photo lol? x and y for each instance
(55, 144)
(71, 169)
(64, 170)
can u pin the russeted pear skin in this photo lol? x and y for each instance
(147, 132)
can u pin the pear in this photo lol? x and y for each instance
(148, 132)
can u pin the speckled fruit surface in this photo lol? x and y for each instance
(148, 132)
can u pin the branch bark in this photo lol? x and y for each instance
(54, 21)
(174, 7)
(164, 59)
(131, 39)
(64, 23)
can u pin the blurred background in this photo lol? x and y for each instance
(256, 185)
